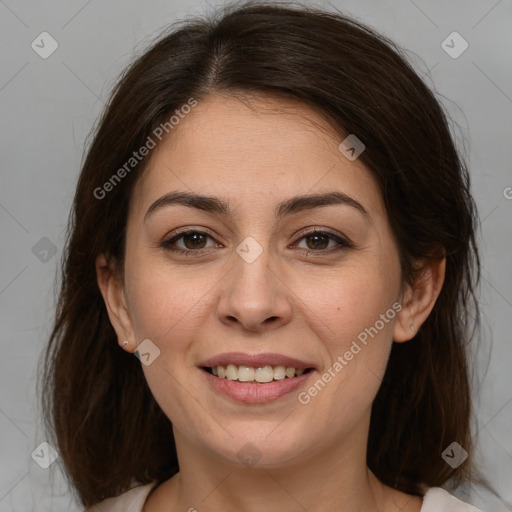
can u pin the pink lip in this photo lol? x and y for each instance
(255, 392)
(255, 360)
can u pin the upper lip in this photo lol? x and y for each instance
(255, 360)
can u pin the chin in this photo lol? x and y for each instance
(267, 447)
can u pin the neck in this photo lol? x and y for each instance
(336, 479)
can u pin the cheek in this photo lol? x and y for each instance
(355, 315)
(168, 308)
(164, 305)
(353, 301)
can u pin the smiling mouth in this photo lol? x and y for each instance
(259, 375)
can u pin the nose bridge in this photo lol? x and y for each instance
(253, 279)
(253, 292)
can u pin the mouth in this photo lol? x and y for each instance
(259, 374)
(255, 378)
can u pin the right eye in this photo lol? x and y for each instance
(193, 241)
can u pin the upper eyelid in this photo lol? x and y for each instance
(177, 236)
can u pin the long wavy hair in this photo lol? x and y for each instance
(98, 408)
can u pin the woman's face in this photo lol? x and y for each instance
(256, 281)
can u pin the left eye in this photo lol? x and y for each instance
(319, 240)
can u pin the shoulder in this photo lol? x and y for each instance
(437, 499)
(130, 501)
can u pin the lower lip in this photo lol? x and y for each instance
(256, 392)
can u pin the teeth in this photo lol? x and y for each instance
(290, 372)
(264, 374)
(232, 372)
(245, 374)
(279, 373)
(261, 374)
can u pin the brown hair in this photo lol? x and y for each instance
(106, 424)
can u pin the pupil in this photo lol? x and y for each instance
(193, 237)
(316, 237)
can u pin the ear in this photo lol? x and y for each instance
(112, 288)
(419, 298)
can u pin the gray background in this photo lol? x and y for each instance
(49, 105)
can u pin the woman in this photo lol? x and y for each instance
(274, 219)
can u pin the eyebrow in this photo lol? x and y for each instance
(290, 206)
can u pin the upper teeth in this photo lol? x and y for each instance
(260, 374)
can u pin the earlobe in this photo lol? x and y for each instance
(112, 290)
(419, 299)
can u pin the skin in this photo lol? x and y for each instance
(293, 299)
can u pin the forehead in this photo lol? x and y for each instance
(255, 148)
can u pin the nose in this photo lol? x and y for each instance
(254, 297)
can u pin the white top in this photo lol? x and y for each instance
(435, 499)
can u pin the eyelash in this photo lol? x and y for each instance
(343, 243)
